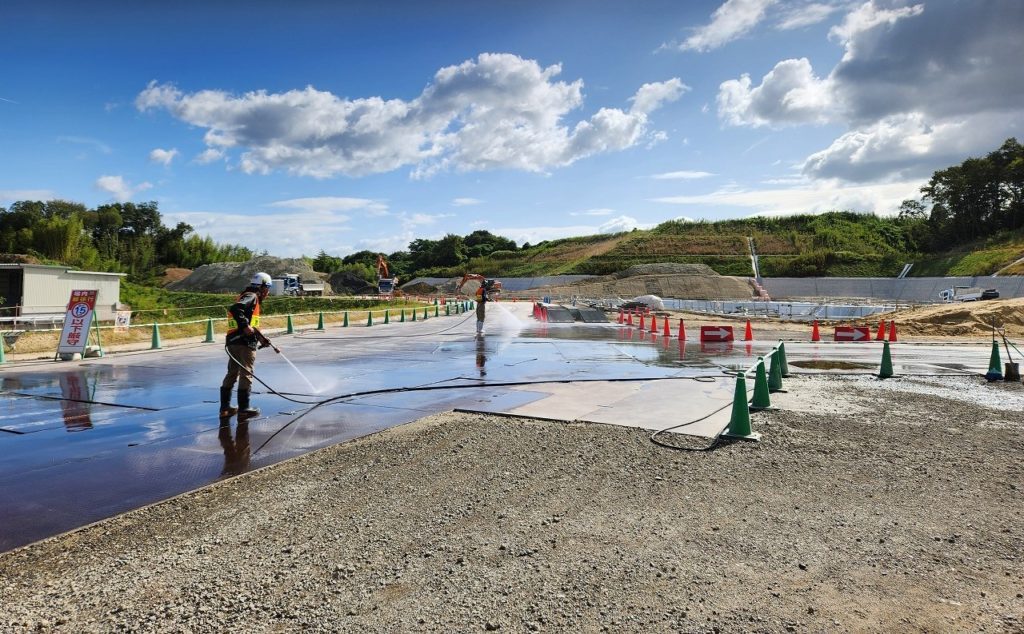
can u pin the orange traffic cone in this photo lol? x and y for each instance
(892, 331)
(620, 315)
(815, 334)
(665, 331)
(682, 331)
(881, 331)
(654, 324)
(629, 319)
(641, 321)
(748, 334)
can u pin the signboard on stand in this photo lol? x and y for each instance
(77, 320)
(122, 320)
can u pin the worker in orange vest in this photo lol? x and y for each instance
(243, 339)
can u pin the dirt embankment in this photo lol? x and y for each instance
(232, 277)
(964, 318)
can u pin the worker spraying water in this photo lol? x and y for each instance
(243, 340)
(485, 293)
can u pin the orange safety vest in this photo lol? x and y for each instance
(254, 322)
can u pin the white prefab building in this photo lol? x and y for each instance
(40, 293)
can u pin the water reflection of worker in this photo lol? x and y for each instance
(481, 358)
(236, 450)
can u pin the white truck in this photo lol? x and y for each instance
(292, 284)
(967, 294)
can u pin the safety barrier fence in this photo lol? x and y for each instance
(796, 311)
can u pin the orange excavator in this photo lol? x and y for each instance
(386, 284)
(492, 286)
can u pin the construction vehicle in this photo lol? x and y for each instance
(292, 284)
(967, 294)
(492, 286)
(386, 284)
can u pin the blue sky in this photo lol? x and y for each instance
(300, 126)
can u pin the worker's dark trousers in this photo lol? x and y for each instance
(480, 311)
(239, 368)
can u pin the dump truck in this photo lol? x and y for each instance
(967, 294)
(292, 284)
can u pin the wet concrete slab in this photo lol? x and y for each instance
(81, 441)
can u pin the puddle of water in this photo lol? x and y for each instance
(831, 364)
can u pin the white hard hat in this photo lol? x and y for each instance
(260, 279)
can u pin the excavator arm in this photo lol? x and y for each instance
(493, 286)
(466, 278)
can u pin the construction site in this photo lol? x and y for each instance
(663, 449)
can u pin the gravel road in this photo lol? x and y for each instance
(868, 506)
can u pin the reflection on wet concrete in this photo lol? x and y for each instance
(81, 441)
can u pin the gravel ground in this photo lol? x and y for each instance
(867, 507)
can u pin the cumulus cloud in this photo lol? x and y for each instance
(163, 156)
(120, 189)
(822, 196)
(334, 204)
(729, 21)
(799, 16)
(495, 111)
(622, 223)
(593, 212)
(465, 202)
(209, 155)
(685, 175)
(918, 86)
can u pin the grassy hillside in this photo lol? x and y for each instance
(839, 244)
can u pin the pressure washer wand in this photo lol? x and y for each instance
(264, 342)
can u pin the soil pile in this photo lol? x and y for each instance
(679, 281)
(420, 288)
(172, 275)
(345, 283)
(231, 277)
(963, 319)
(17, 258)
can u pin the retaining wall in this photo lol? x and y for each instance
(908, 289)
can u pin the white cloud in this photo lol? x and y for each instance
(465, 202)
(334, 204)
(799, 16)
(731, 20)
(120, 189)
(682, 175)
(593, 212)
(14, 195)
(209, 155)
(98, 145)
(622, 223)
(163, 156)
(918, 87)
(820, 197)
(496, 111)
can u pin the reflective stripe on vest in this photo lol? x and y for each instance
(254, 322)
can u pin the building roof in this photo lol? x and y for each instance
(13, 265)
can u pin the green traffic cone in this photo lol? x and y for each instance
(762, 399)
(447, 310)
(885, 371)
(209, 331)
(435, 304)
(424, 313)
(782, 360)
(775, 373)
(369, 318)
(320, 321)
(401, 319)
(291, 327)
(387, 315)
(344, 323)
(156, 337)
(739, 422)
(414, 314)
(437, 309)
(3, 357)
(995, 366)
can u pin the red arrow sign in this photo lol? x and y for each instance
(852, 333)
(716, 333)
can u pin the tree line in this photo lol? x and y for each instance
(120, 237)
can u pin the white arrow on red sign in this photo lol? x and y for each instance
(852, 333)
(716, 333)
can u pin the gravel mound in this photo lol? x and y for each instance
(232, 277)
(665, 268)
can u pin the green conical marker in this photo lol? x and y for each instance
(320, 321)
(762, 398)
(291, 327)
(739, 422)
(156, 337)
(401, 319)
(3, 357)
(885, 371)
(369, 318)
(387, 315)
(414, 314)
(782, 359)
(775, 373)
(995, 366)
(209, 331)
(344, 323)
(424, 313)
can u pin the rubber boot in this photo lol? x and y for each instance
(244, 410)
(225, 403)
